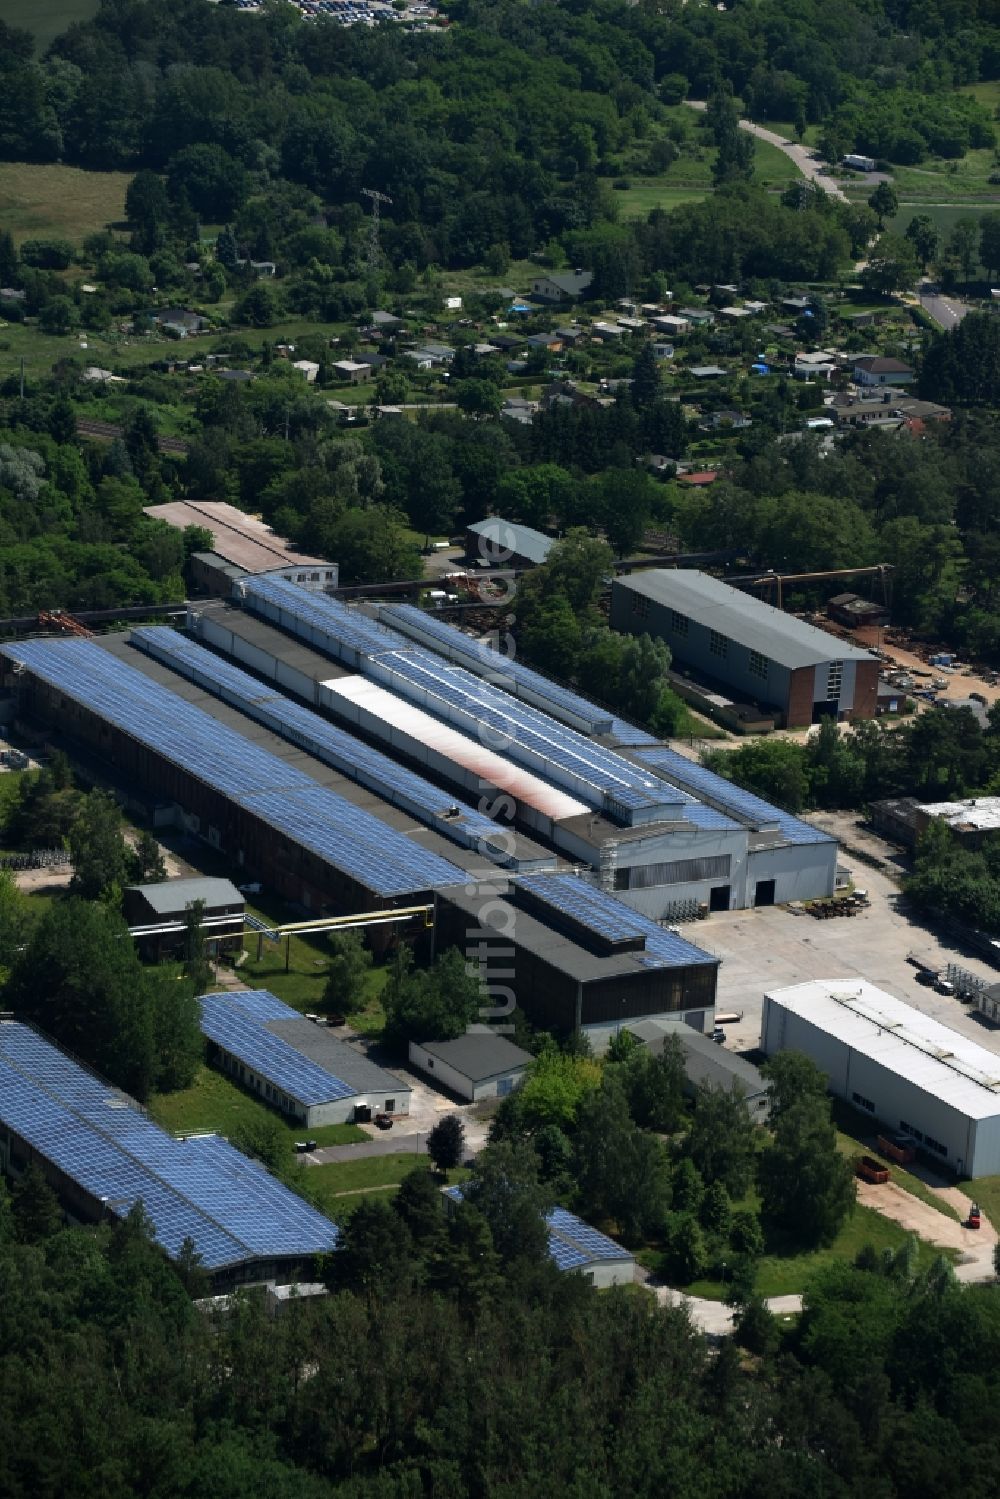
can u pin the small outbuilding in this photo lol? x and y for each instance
(707, 1064)
(166, 904)
(478, 1065)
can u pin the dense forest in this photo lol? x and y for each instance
(453, 1359)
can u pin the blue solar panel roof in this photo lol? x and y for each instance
(349, 838)
(327, 622)
(610, 918)
(512, 675)
(741, 804)
(201, 1188)
(522, 732)
(593, 1245)
(572, 1242)
(325, 740)
(238, 1023)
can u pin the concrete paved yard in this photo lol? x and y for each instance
(766, 949)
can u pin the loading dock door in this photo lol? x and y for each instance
(763, 893)
(718, 898)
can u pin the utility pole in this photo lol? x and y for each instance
(374, 248)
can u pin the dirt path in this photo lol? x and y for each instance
(975, 1246)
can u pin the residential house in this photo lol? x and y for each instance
(561, 286)
(439, 353)
(675, 326)
(706, 371)
(383, 323)
(727, 419)
(607, 332)
(818, 365)
(735, 314)
(518, 410)
(373, 361)
(550, 341)
(179, 321)
(419, 358)
(699, 317)
(310, 368)
(662, 348)
(571, 334)
(350, 372)
(877, 369)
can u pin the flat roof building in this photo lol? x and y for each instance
(707, 1064)
(102, 1155)
(896, 1064)
(495, 542)
(572, 957)
(246, 542)
(478, 1065)
(166, 903)
(750, 648)
(294, 1064)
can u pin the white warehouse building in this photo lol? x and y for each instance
(890, 1060)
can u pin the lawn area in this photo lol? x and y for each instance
(303, 984)
(944, 218)
(46, 19)
(61, 201)
(939, 181)
(787, 1275)
(364, 1174)
(215, 1103)
(646, 193)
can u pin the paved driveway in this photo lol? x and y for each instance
(946, 310)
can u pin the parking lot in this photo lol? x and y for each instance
(765, 949)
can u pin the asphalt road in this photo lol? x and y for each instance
(947, 311)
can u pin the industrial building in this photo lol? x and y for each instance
(572, 957)
(102, 1155)
(495, 542)
(749, 648)
(622, 811)
(708, 1065)
(973, 822)
(478, 1065)
(575, 1246)
(294, 1064)
(891, 1061)
(163, 907)
(241, 544)
(264, 812)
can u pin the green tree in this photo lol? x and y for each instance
(621, 1171)
(37, 1214)
(15, 921)
(446, 1142)
(102, 860)
(793, 1078)
(923, 235)
(884, 203)
(79, 979)
(722, 1138)
(989, 242)
(374, 1257)
(891, 266)
(505, 1188)
(435, 1005)
(197, 966)
(807, 1188)
(148, 865)
(346, 984)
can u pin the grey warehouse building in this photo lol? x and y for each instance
(751, 649)
(478, 1065)
(294, 1064)
(707, 1064)
(165, 903)
(896, 1064)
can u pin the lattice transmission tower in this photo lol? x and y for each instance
(374, 247)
